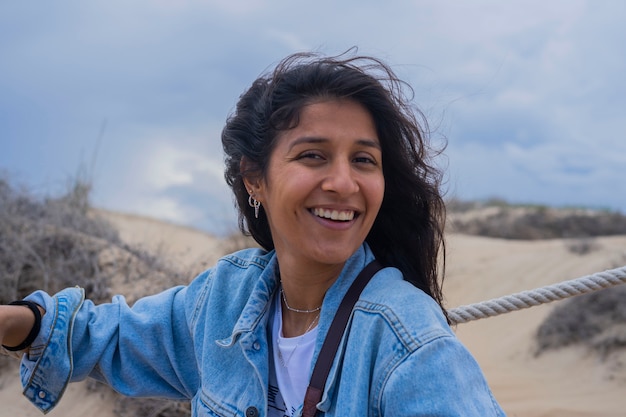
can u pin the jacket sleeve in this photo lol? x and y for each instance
(146, 350)
(441, 379)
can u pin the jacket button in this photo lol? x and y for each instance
(252, 412)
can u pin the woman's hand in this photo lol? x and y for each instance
(16, 323)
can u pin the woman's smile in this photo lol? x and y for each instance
(332, 214)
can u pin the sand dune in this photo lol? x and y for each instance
(568, 382)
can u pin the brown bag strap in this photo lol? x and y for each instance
(331, 343)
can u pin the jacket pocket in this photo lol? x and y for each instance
(204, 406)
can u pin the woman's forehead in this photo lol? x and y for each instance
(322, 121)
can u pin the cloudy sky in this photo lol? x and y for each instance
(530, 95)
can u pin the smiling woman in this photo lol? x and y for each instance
(333, 177)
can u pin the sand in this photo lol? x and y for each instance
(567, 382)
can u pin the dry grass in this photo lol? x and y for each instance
(596, 321)
(497, 218)
(151, 407)
(53, 243)
(48, 243)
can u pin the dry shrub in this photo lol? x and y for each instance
(496, 218)
(53, 243)
(151, 407)
(50, 243)
(596, 320)
(582, 246)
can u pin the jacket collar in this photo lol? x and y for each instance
(260, 301)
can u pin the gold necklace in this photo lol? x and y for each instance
(296, 310)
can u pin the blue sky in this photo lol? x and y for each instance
(530, 95)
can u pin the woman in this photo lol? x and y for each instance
(330, 170)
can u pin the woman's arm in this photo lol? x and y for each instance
(441, 378)
(138, 350)
(144, 350)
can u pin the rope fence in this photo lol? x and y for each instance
(542, 295)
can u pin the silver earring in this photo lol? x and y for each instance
(252, 202)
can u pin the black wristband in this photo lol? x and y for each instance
(33, 332)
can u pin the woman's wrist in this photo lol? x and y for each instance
(20, 323)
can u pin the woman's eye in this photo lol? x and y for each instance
(310, 155)
(365, 160)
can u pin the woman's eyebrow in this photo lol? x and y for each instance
(307, 140)
(370, 143)
(316, 139)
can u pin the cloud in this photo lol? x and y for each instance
(175, 175)
(528, 93)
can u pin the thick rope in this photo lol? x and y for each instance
(531, 298)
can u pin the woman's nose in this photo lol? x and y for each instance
(340, 178)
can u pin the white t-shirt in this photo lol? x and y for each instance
(290, 367)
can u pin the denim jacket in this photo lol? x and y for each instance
(208, 342)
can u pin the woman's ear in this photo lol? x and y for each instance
(251, 180)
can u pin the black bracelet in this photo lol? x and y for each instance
(33, 332)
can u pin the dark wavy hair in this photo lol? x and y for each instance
(408, 230)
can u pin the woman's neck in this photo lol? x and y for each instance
(303, 291)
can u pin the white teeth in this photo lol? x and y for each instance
(334, 214)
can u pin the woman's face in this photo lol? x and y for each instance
(324, 184)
